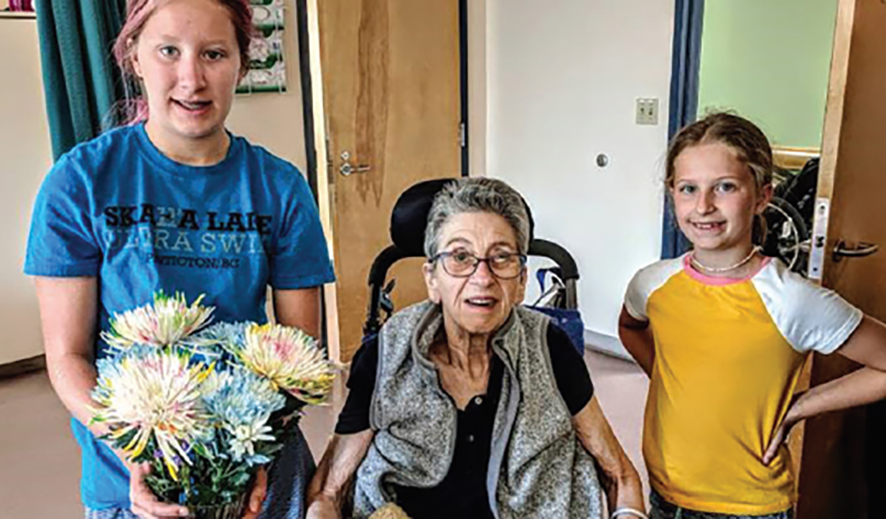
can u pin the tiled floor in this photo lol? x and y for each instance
(39, 460)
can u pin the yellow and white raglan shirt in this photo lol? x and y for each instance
(728, 354)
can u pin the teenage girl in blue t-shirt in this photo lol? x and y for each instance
(172, 201)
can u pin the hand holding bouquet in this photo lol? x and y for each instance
(205, 406)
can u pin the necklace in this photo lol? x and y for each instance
(701, 266)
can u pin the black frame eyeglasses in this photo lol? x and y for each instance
(449, 266)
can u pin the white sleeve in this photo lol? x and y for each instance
(810, 317)
(645, 282)
(635, 298)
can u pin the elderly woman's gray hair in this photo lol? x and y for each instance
(477, 195)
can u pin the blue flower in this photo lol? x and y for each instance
(241, 404)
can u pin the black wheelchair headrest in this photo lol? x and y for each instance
(409, 219)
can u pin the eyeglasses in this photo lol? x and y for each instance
(462, 264)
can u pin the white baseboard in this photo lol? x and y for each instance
(607, 344)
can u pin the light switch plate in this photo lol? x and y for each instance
(647, 111)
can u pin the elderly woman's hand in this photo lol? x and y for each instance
(338, 465)
(619, 478)
(323, 509)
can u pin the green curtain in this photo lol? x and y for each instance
(81, 81)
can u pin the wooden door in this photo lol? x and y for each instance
(391, 104)
(842, 458)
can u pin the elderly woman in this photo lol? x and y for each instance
(469, 405)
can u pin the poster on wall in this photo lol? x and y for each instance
(267, 67)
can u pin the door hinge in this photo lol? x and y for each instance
(462, 135)
(328, 156)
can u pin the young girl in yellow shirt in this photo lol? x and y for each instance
(723, 332)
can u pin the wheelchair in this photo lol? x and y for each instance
(409, 219)
(789, 217)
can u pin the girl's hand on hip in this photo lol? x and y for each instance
(780, 436)
(783, 431)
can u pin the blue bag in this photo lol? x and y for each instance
(568, 320)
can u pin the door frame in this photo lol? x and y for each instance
(316, 137)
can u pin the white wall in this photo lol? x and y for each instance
(477, 95)
(562, 78)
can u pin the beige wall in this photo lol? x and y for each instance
(25, 156)
(275, 121)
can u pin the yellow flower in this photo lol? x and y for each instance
(289, 358)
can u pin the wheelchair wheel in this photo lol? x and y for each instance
(786, 235)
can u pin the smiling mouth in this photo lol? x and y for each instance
(193, 106)
(708, 226)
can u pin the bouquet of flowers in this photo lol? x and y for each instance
(204, 405)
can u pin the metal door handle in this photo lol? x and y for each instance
(859, 251)
(347, 169)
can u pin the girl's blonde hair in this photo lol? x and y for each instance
(750, 144)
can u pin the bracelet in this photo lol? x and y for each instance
(625, 510)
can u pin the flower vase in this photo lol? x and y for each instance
(229, 511)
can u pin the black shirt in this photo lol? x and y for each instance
(462, 493)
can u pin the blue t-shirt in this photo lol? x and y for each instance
(118, 209)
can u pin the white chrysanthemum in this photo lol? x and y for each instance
(166, 321)
(245, 436)
(153, 394)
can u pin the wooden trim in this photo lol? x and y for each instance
(20, 367)
(787, 157)
(324, 194)
(464, 86)
(795, 440)
(833, 117)
(304, 62)
(833, 121)
(307, 89)
(18, 15)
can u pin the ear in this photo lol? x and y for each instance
(431, 282)
(521, 284)
(764, 199)
(136, 64)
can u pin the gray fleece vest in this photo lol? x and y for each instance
(537, 467)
